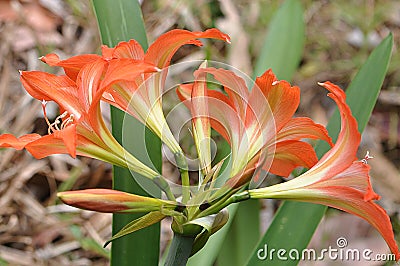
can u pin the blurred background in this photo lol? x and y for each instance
(35, 229)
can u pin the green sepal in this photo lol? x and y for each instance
(140, 223)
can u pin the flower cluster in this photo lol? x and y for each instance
(257, 121)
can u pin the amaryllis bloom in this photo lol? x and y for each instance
(259, 124)
(337, 180)
(80, 129)
(140, 96)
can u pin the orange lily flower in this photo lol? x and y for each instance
(139, 96)
(80, 129)
(337, 180)
(259, 124)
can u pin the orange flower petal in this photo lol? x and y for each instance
(126, 70)
(61, 89)
(184, 93)
(301, 128)
(201, 121)
(131, 49)
(290, 154)
(69, 136)
(282, 98)
(351, 191)
(72, 65)
(162, 50)
(10, 141)
(45, 146)
(88, 82)
(344, 151)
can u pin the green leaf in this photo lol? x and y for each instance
(284, 43)
(140, 223)
(295, 222)
(211, 224)
(121, 20)
(244, 233)
(207, 255)
(282, 51)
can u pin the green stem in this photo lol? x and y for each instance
(183, 169)
(162, 183)
(180, 250)
(226, 201)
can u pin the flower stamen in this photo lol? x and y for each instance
(366, 158)
(53, 127)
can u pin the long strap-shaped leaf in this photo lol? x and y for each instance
(121, 20)
(295, 222)
(282, 52)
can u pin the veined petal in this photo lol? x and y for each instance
(184, 92)
(290, 154)
(228, 114)
(131, 49)
(201, 121)
(45, 146)
(108, 200)
(344, 151)
(126, 69)
(61, 89)
(342, 154)
(60, 142)
(351, 201)
(50, 144)
(301, 128)
(162, 50)
(282, 98)
(234, 86)
(72, 65)
(88, 82)
(10, 141)
(69, 136)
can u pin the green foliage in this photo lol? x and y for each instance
(284, 43)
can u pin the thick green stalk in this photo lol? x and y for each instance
(183, 169)
(180, 250)
(121, 20)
